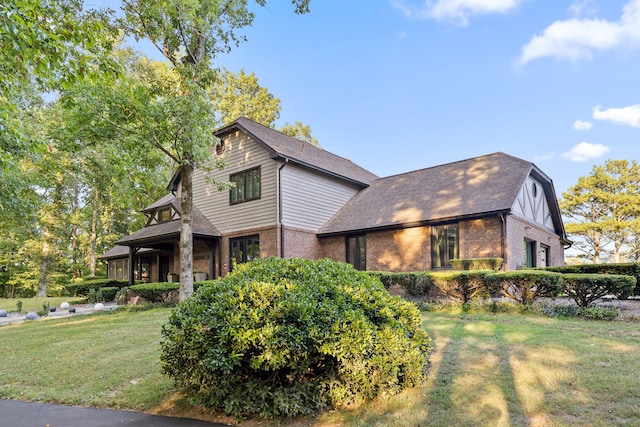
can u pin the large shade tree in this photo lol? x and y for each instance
(44, 46)
(603, 210)
(190, 34)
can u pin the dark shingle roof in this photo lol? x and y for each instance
(282, 146)
(122, 252)
(171, 229)
(461, 189)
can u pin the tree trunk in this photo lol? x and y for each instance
(186, 231)
(44, 267)
(94, 235)
(596, 248)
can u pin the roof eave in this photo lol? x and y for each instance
(278, 156)
(412, 224)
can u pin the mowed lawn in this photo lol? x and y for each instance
(486, 370)
(106, 360)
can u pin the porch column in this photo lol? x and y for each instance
(211, 244)
(132, 252)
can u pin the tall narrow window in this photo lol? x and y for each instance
(445, 245)
(357, 252)
(530, 253)
(243, 249)
(246, 186)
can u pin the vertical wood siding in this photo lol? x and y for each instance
(309, 199)
(241, 153)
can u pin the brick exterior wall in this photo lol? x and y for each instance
(269, 243)
(201, 255)
(300, 244)
(481, 238)
(408, 249)
(518, 230)
(334, 248)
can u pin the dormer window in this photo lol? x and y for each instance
(164, 215)
(220, 148)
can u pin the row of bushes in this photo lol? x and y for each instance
(624, 269)
(542, 308)
(85, 287)
(163, 291)
(523, 286)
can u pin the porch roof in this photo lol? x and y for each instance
(119, 251)
(160, 235)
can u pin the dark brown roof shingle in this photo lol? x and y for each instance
(460, 189)
(283, 146)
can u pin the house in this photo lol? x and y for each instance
(291, 199)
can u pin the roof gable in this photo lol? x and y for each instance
(281, 146)
(480, 185)
(171, 229)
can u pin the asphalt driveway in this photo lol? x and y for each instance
(14, 413)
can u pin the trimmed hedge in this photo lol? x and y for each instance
(416, 284)
(283, 337)
(461, 286)
(162, 291)
(83, 288)
(585, 289)
(109, 293)
(525, 286)
(493, 264)
(623, 269)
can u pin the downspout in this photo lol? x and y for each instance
(280, 216)
(503, 240)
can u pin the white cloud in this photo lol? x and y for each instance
(626, 115)
(456, 11)
(583, 8)
(576, 38)
(582, 125)
(585, 151)
(548, 156)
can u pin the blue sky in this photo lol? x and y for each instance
(399, 85)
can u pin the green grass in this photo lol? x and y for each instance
(35, 304)
(487, 370)
(518, 370)
(107, 360)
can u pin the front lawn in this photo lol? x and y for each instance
(519, 370)
(108, 360)
(487, 370)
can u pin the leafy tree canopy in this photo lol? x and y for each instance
(604, 209)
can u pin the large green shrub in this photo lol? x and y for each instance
(585, 289)
(493, 264)
(461, 286)
(525, 286)
(287, 337)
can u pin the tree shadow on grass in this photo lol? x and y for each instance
(497, 402)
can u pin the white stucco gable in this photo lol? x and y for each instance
(532, 203)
